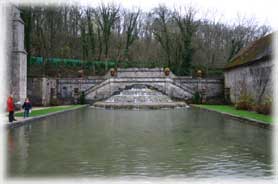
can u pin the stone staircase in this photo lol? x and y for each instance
(151, 78)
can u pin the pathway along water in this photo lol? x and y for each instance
(188, 143)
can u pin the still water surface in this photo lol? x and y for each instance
(183, 143)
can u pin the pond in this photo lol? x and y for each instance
(174, 143)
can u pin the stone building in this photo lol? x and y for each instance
(249, 72)
(17, 56)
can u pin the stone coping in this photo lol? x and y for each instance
(79, 79)
(31, 119)
(109, 105)
(140, 70)
(193, 80)
(250, 121)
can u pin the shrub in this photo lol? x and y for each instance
(82, 98)
(245, 103)
(265, 107)
(197, 98)
(54, 102)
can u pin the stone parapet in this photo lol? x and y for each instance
(140, 72)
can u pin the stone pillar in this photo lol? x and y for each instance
(44, 91)
(18, 75)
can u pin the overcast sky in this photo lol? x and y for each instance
(264, 11)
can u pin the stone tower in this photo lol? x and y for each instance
(17, 67)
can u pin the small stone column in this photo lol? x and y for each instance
(203, 95)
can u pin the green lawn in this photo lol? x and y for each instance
(40, 112)
(242, 113)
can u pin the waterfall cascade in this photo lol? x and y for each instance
(139, 96)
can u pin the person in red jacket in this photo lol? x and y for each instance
(11, 108)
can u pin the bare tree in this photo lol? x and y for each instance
(106, 17)
(91, 33)
(84, 42)
(162, 21)
(243, 32)
(139, 39)
(187, 26)
(131, 28)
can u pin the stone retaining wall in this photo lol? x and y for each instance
(43, 90)
(68, 87)
(213, 87)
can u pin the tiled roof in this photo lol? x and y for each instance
(257, 50)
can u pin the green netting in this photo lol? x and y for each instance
(68, 62)
(72, 62)
(36, 60)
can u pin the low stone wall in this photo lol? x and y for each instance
(67, 87)
(213, 87)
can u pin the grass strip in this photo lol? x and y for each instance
(241, 113)
(45, 111)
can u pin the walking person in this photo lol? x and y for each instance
(11, 108)
(27, 107)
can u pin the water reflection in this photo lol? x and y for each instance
(160, 143)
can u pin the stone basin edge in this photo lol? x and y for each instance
(31, 119)
(250, 121)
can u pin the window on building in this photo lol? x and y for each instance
(64, 92)
(76, 90)
(52, 92)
